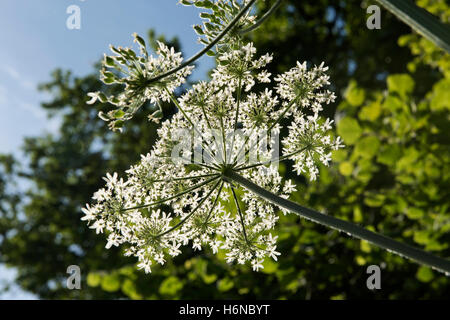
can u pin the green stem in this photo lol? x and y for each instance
(421, 21)
(206, 148)
(207, 48)
(190, 214)
(241, 217)
(209, 126)
(186, 178)
(190, 161)
(215, 203)
(263, 18)
(236, 117)
(271, 160)
(223, 140)
(354, 230)
(172, 197)
(247, 137)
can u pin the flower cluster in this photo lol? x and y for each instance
(236, 68)
(179, 193)
(164, 204)
(219, 16)
(308, 144)
(135, 72)
(301, 87)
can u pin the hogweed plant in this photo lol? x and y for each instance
(211, 180)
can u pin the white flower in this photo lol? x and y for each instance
(98, 225)
(135, 72)
(197, 245)
(177, 194)
(145, 265)
(90, 213)
(238, 68)
(308, 143)
(257, 264)
(113, 240)
(301, 87)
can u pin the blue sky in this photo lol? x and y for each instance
(35, 40)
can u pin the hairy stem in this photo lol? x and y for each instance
(354, 230)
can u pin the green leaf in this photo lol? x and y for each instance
(270, 266)
(354, 94)
(102, 97)
(421, 21)
(209, 278)
(349, 130)
(392, 103)
(129, 288)
(374, 199)
(365, 246)
(367, 147)
(339, 155)
(93, 279)
(119, 114)
(414, 213)
(110, 283)
(198, 29)
(422, 236)
(140, 40)
(170, 286)
(403, 84)
(109, 61)
(346, 168)
(206, 4)
(389, 154)
(370, 112)
(225, 284)
(441, 95)
(424, 274)
(108, 80)
(186, 2)
(118, 124)
(357, 214)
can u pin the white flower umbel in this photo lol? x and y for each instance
(308, 143)
(176, 196)
(135, 72)
(211, 180)
(240, 65)
(302, 87)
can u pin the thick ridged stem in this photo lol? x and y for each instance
(352, 229)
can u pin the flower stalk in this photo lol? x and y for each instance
(354, 230)
(199, 54)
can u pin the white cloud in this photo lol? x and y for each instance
(7, 101)
(12, 72)
(21, 80)
(35, 110)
